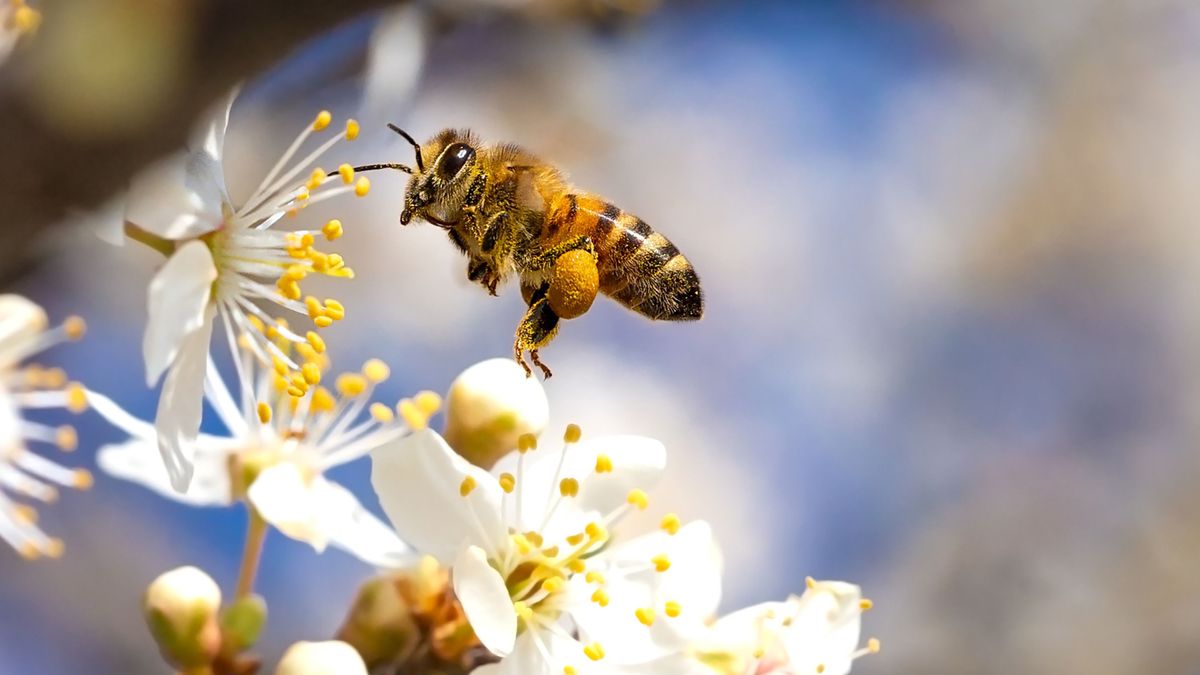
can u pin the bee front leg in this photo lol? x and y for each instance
(535, 331)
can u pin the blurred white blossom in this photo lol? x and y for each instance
(321, 658)
(16, 19)
(224, 258)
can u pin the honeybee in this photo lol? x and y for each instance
(510, 212)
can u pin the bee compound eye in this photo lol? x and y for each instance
(454, 158)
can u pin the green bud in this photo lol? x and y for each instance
(242, 623)
(180, 608)
(381, 625)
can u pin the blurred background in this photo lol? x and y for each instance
(951, 343)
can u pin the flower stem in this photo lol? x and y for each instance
(160, 244)
(256, 534)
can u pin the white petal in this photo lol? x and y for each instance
(175, 198)
(417, 479)
(485, 601)
(209, 135)
(21, 322)
(138, 461)
(178, 306)
(181, 405)
(825, 627)
(285, 499)
(352, 528)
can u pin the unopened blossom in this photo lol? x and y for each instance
(25, 331)
(181, 610)
(16, 20)
(489, 406)
(321, 658)
(277, 448)
(226, 259)
(817, 632)
(545, 581)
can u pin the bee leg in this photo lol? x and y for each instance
(535, 331)
(547, 258)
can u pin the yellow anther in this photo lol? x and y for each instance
(26, 19)
(303, 194)
(820, 668)
(310, 355)
(568, 487)
(351, 384)
(289, 289)
(66, 438)
(295, 273)
(82, 479)
(570, 670)
(594, 651)
(467, 487)
(323, 322)
(551, 552)
(322, 121)
(553, 584)
(810, 582)
(522, 611)
(314, 307)
(24, 514)
(672, 609)
(281, 367)
(315, 179)
(412, 415)
(315, 341)
(382, 413)
(347, 173)
(28, 551)
(595, 531)
(645, 615)
(296, 392)
(604, 464)
(577, 566)
(362, 186)
(54, 548)
(670, 524)
(76, 398)
(264, 413)
(535, 538)
(661, 562)
(572, 434)
(322, 400)
(75, 328)
(594, 577)
(638, 498)
(334, 309)
(526, 442)
(376, 371)
(507, 482)
(873, 645)
(311, 372)
(428, 402)
(351, 129)
(524, 546)
(333, 229)
(600, 597)
(576, 539)
(865, 604)
(256, 323)
(336, 262)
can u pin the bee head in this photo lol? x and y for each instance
(441, 165)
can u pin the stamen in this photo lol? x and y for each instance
(671, 524)
(661, 563)
(507, 482)
(467, 487)
(645, 615)
(594, 651)
(672, 609)
(604, 464)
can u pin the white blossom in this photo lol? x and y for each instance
(16, 19)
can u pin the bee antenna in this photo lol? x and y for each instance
(416, 145)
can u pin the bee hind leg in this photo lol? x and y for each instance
(535, 331)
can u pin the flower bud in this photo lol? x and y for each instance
(489, 406)
(21, 321)
(242, 622)
(180, 608)
(321, 658)
(381, 623)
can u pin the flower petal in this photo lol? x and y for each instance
(485, 601)
(825, 627)
(418, 480)
(178, 306)
(21, 322)
(285, 500)
(352, 528)
(181, 404)
(209, 135)
(175, 198)
(138, 461)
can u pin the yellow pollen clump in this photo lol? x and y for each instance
(600, 597)
(311, 373)
(577, 566)
(661, 562)
(575, 539)
(54, 548)
(76, 398)
(526, 442)
(428, 402)
(351, 385)
(551, 552)
(507, 482)
(82, 479)
(673, 609)
(75, 328)
(322, 121)
(382, 413)
(638, 498)
(873, 645)
(572, 434)
(412, 415)
(568, 487)
(264, 413)
(334, 309)
(467, 487)
(574, 282)
(810, 582)
(24, 514)
(303, 194)
(820, 668)
(595, 531)
(351, 129)
(594, 651)
(865, 604)
(570, 670)
(670, 524)
(604, 464)
(594, 577)
(347, 173)
(645, 615)
(66, 438)
(362, 186)
(333, 230)
(376, 371)
(553, 585)
(322, 400)
(315, 341)
(535, 538)
(28, 551)
(315, 179)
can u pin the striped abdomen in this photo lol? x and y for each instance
(639, 267)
